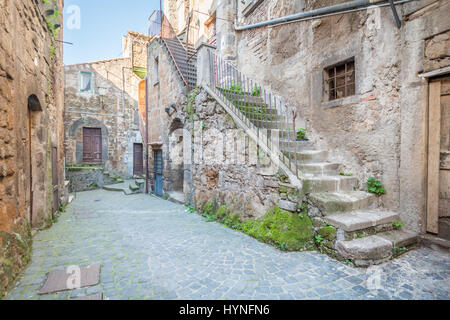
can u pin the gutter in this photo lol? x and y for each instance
(350, 6)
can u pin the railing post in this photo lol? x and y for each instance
(204, 64)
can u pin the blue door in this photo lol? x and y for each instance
(158, 172)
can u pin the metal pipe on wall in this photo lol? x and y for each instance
(316, 13)
(146, 136)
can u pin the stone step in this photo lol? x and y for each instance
(365, 251)
(330, 203)
(133, 187)
(320, 168)
(329, 184)
(375, 249)
(312, 156)
(293, 144)
(400, 238)
(361, 219)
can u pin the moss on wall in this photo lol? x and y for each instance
(15, 252)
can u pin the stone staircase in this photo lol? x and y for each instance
(185, 62)
(128, 187)
(349, 223)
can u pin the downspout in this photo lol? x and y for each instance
(335, 9)
(146, 136)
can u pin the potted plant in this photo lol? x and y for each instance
(301, 135)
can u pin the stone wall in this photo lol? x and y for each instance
(378, 131)
(166, 90)
(31, 127)
(111, 105)
(85, 178)
(226, 167)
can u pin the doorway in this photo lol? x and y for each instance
(158, 172)
(138, 159)
(438, 195)
(92, 145)
(55, 180)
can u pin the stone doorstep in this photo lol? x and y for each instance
(333, 202)
(362, 219)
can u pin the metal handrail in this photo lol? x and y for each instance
(263, 111)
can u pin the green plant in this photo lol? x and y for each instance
(190, 209)
(165, 196)
(62, 208)
(301, 134)
(319, 239)
(256, 92)
(396, 251)
(397, 224)
(208, 208)
(342, 173)
(236, 87)
(375, 186)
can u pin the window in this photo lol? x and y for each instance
(156, 70)
(340, 80)
(86, 81)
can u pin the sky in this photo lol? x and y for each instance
(95, 27)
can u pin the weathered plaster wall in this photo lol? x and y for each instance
(30, 64)
(377, 132)
(114, 112)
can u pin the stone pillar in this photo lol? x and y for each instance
(226, 37)
(203, 64)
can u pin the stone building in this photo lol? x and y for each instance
(31, 127)
(102, 117)
(368, 88)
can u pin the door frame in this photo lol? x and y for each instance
(141, 157)
(157, 181)
(433, 140)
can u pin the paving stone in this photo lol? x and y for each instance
(153, 249)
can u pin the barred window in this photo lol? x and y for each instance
(340, 80)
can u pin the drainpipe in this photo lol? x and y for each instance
(312, 13)
(146, 135)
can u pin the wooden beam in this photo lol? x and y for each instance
(434, 141)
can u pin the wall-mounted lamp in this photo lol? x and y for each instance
(169, 109)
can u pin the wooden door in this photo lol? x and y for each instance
(158, 173)
(92, 145)
(438, 197)
(138, 159)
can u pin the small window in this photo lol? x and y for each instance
(85, 81)
(156, 70)
(340, 80)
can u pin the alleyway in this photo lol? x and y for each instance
(153, 249)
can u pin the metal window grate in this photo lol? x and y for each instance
(341, 80)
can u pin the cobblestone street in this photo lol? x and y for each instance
(153, 249)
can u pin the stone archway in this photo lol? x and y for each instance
(75, 136)
(175, 168)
